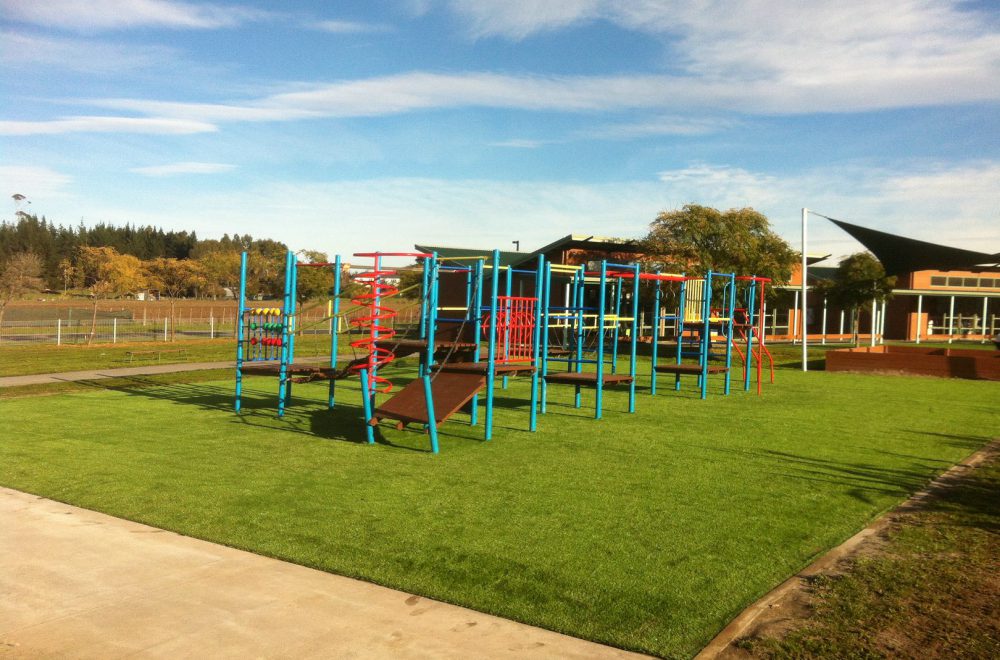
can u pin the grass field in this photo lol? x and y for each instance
(646, 531)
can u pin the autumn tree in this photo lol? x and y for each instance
(859, 281)
(697, 239)
(175, 278)
(19, 274)
(108, 274)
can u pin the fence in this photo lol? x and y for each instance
(123, 326)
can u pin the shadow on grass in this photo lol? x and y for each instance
(862, 479)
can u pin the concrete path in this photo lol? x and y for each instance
(80, 584)
(116, 372)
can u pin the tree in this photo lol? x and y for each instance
(860, 279)
(108, 274)
(175, 277)
(21, 273)
(314, 282)
(697, 239)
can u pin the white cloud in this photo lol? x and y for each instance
(787, 55)
(94, 15)
(415, 91)
(520, 143)
(151, 125)
(657, 126)
(955, 205)
(19, 50)
(174, 169)
(35, 182)
(349, 27)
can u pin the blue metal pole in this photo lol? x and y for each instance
(433, 280)
(617, 290)
(366, 406)
(682, 302)
(731, 302)
(491, 369)
(424, 297)
(506, 340)
(751, 293)
(431, 419)
(239, 329)
(579, 296)
(635, 338)
(334, 327)
(536, 340)
(476, 314)
(654, 348)
(546, 274)
(283, 367)
(598, 403)
(706, 338)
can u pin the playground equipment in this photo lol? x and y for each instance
(573, 319)
(705, 316)
(748, 321)
(265, 337)
(506, 326)
(481, 322)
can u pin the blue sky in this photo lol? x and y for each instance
(349, 126)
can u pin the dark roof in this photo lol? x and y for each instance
(899, 254)
(460, 255)
(587, 242)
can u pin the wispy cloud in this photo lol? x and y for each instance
(349, 27)
(95, 15)
(673, 125)
(518, 143)
(338, 216)
(151, 125)
(175, 169)
(420, 91)
(35, 181)
(786, 55)
(20, 50)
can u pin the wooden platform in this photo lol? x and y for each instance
(298, 373)
(451, 391)
(483, 367)
(404, 347)
(586, 379)
(689, 369)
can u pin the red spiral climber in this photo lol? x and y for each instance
(377, 319)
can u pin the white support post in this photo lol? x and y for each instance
(881, 325)
(951, 319)
(805, 279)
(823, 341)
(165, 321)
(211, 326)
(841, 332)
(985, 335)
(874, 321)
(58, 332)
(114, 330)
(920, 316)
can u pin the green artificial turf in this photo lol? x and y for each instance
(647, 531)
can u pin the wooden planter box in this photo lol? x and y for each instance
(941, 362)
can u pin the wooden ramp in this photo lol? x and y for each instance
(693, 369)
(451, 391)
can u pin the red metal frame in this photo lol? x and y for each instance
(515, 329)
(376, 321)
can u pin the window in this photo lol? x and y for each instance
(986, 283)
(954, 281)
(970, 282)
(939, 281)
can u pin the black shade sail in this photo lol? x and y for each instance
(899, 254)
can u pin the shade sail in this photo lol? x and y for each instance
(899, 254)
